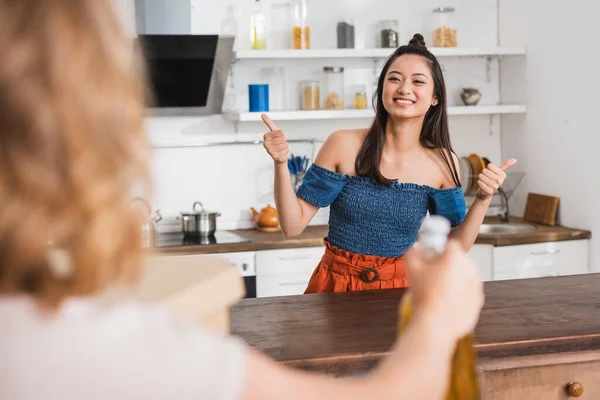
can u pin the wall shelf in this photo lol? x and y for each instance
(356, 114)
(375, 53)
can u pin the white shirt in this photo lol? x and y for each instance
(130, 351)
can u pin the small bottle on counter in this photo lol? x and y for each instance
(345, 33)
(463, 383)
(258, 28)
(300, 31)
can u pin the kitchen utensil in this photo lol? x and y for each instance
(199, 222)
(477, 165)
(266, 220)
(541, 209)
(149, 227)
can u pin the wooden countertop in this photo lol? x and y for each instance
(342, 333)
(313, 237)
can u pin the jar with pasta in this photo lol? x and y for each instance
(334, 88)
(311, 95)
(300, 30)
(444, 30)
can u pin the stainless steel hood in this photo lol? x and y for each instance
(187, 73)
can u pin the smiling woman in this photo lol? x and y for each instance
(381, 182)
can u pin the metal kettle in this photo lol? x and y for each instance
(149, 227)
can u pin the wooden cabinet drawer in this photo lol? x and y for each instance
(546, 382)
(540, 260)
(288, 261)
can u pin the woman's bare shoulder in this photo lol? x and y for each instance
(339, 151)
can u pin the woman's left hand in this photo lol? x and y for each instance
(491, 178)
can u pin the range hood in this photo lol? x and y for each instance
(187, 73)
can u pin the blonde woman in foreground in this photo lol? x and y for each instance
(71, 147)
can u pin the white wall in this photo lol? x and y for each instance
(232, 178)
(557, 141)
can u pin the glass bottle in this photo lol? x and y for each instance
(258, 28)
(463, 384)
(229, 25)
(301, 30)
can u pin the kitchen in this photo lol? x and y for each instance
(517, 116)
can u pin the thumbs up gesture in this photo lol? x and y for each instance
(274, 141)
(491, 178)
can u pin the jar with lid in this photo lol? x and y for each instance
(360, 100)
(345, 33)
(300, 30)
(444, 31)
(387, 33)
(334, 88)
(311, 95)
(275, 78)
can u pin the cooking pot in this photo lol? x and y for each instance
(199, 222)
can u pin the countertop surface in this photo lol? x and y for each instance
(253, 240)
(337, 331)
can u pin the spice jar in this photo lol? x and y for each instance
(387, 33)
(444, 33)
(300, 31)
(311, 95)
(345, 33)
(360, 100)
(334, 88)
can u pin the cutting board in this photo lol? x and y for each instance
(201, 288)
(541, 209)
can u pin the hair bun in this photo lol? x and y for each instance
(418, 40)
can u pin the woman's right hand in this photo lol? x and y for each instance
(274, 141)
(446, 290)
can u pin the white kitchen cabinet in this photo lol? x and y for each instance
(285, 272)
(482, 254)
(540, 260)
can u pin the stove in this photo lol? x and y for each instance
(179, 239)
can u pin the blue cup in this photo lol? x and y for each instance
(259, 97)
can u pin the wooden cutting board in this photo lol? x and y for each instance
(541, 209)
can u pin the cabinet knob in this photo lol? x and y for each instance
(244, 267)
(575, 389)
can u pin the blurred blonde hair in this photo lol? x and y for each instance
(71, 146)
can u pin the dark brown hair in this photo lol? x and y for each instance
(434, 134)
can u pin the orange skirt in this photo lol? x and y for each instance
(344, 271)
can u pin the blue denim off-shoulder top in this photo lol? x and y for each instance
(369, 218)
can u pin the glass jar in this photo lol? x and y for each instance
(334, 88)
(444, 32)
(345, 33)
(274, 77)
(311, 95)
(387, 33)
(300, 31)
(360, 100)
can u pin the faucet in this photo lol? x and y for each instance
(503, 205)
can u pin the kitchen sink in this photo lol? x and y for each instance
(505, 229)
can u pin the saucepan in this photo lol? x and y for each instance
(199, 222)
